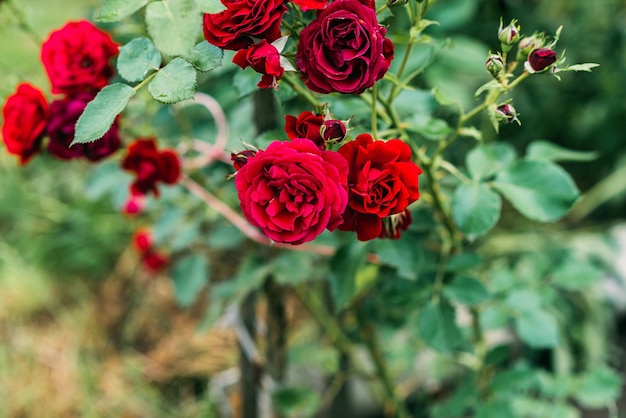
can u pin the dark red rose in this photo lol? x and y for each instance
(151, 166)
(241, 158)
(264, 58)
(76, 58)
(307, 125)
(540, 59)
(244, 20)
(63, 116)
(334, 131)
(310, 4)
(25, 114)
(382, 181)
(344, 49)
(292, 191)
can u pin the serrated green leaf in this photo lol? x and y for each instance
(174, 26)
(466, 290)
(101, 112)
(137, 58)
(574, 274)
(537, 328)
(189, 274)
(579, 67)
(475, 209)
(540, 190)
(114, 10)
(543, 150)
(210, 6)
(486, 160)
(174, 83)
(206, 57)
(437, 326)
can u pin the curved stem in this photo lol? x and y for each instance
(301, 90)
(374, 115)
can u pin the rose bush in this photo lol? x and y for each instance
(293, 191)
(344, 49)
(25, 115)
(77, 58)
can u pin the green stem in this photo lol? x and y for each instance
(301, 90)
(23, 23)
(368, 334)
(374, 113)
(145, 81)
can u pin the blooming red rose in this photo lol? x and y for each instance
(540, 59)
(76, 58)
(264, 58)
(382, 181)
(306, 125)
(151, 166)
(63, 116)
(292, 191)
(344, 49)
(310, 4)
(242, 21)
(25, 114)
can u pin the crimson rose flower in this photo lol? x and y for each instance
(243, 20)
(344, 49)
(76, 58)
(306, 125)
(292, 191)
(25, 114)
(264, 58)
(151, 166)
(310, 4)
(382, 181)
(63, 116)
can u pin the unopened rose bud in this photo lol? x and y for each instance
(527, 44)
(506, 113)
(508, 35)
(495, 65)
(394, 224)
(333, 131)
(241, 158)
(539, 60)
(396, 2)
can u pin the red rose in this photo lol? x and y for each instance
(264, 58)
(242, 21)
(307, 125)
(344, 49)
(306, 5)
(151, 166)
(63, 116)
(25, 114)
(76, 58)
(382, 181)
(151, 259)
(292, 191)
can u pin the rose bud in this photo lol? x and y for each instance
(241, 158)
(495, 65)
(540, 60)
(508, 35)
(333, 131)
(507, 114)
(527, 44)
(394, 224)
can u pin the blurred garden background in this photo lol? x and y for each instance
(86, 332)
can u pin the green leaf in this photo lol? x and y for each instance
(578, 67)
(292, 267)
(430, 128)
(597, 387)
(537, 328)
(296, 401)
(137, 58)
(574, 274)
(101, 112)
(114, 10)
(210, 6)
(523, 300)
(543, 150)
(206, 57)
(475, 209)
(437, 326)
(174, 83)
(496, 409)
(466, 290)
(403, 254)
(486, 160)
(174, 26)
(465, 261)
(344, 267)
(190, 274)
(540, 190)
